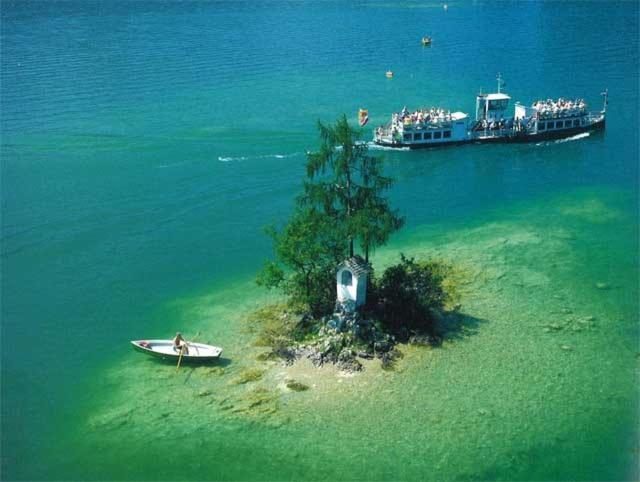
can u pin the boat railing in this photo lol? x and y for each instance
(396, 131)
(494, 133)
(411, 126)
(428, 125)
(387, 133)
(529, 127)
(561, 113)
(593, 117)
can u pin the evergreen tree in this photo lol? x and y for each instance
(342, 203)
(347, 184)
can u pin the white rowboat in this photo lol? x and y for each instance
(197, 352)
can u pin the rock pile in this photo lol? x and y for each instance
(342, 338)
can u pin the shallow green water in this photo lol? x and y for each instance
(504, 393)
(144, 146)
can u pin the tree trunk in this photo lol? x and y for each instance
(308, 285)
(349, 209)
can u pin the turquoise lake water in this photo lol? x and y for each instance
(146, 143)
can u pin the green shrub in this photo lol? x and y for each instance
(408, 294)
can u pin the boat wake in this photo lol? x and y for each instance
(582, 135)
(376, 147)
(247, 158)
(577, 137)
(164, 166)
(232, 159)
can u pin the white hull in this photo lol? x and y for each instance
(166, 349)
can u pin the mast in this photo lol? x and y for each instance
(499, 79)
(606, 100)
(478, 98)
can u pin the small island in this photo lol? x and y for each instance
(337, 309)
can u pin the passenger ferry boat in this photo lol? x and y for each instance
(545, 119)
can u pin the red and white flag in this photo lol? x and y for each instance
(363, 117)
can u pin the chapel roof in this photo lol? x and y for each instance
(356, 264)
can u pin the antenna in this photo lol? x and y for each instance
(501, 84)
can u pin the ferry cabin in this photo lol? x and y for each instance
(491, 107)
(544, 120)
(447, 129)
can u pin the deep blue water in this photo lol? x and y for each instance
(146, 143)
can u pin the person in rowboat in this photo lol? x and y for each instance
(180, 344)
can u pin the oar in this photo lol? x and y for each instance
(182, 351)
(180, 357)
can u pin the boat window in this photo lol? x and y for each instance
(427, 136)
(446, 134)
(437, 135)
(498, 104)
(407, 137)
(558, 124)
(417, 136)
(576, 122)
(542, 126)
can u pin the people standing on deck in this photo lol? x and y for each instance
(559, 108)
